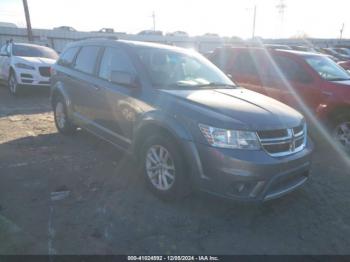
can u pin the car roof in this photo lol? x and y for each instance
(284, 51)
(29, 44)
(103, 41)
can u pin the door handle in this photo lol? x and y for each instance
(97, 87)
(327, 93)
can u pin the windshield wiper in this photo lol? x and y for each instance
(339, 79)
(215, 84)
(212, 84)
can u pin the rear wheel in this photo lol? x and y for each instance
(341, 131)
(164, 168)
(63, 124)
(12, 84)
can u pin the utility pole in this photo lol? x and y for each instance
(341, 31)
(281, 9)
(29, 26)
(154, 20)
(254, 18)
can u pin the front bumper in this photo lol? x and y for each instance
(248, 175)
(31, 78)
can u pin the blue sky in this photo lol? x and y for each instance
(225, 17)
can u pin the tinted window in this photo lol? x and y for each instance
(67, 58)
(33, 51)
(86, 59)
(114, 60)
(245, 64)
(292, 70)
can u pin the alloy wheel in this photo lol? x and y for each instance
(60, 115)
(160, 167)
(13, 84)
(342, 134)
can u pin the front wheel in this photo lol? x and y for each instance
(341, 131)
(164, 168)
(13, 84)
(63, 124)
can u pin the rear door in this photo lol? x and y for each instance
(63, 75)
(86, 95)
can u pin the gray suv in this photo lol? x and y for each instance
(187, 124)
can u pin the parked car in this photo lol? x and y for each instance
(65, 28)
(276, 46)
(333, 52)
(106, 30)
(151, 32)
(185, 121)
(211, 35)
(322, 85)
(345, 64)
(304, 48)
(178, 33)
(25, 65)
(343, 51)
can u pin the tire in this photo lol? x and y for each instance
(172, 168)
(62, 122)
(341, 130)
(13, 85)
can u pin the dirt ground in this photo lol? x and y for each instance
(79, 195)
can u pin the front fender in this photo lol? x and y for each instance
(171, 123)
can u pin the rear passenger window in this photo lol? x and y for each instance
(114, 60)
(245, 64)
(67, 58)
(86, 59)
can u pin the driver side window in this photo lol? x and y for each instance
(115, 60)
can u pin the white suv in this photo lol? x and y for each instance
(25, 65)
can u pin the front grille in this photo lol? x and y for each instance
(44, 71)
(282, 142)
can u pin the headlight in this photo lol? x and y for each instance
(225, 138)
(24, 66)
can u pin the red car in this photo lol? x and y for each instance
(345, 64)
(310, 82)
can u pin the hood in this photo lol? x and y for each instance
(35, 60)
(256, 111)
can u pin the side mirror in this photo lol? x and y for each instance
(124, 78)
(4, 54)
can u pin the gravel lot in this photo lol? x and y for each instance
(79, 195)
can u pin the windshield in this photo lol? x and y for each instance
(171, 69)
(33, 51)
(327, 69)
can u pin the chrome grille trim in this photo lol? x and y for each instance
(291, 139)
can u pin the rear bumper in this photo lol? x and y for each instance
(247, 175)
